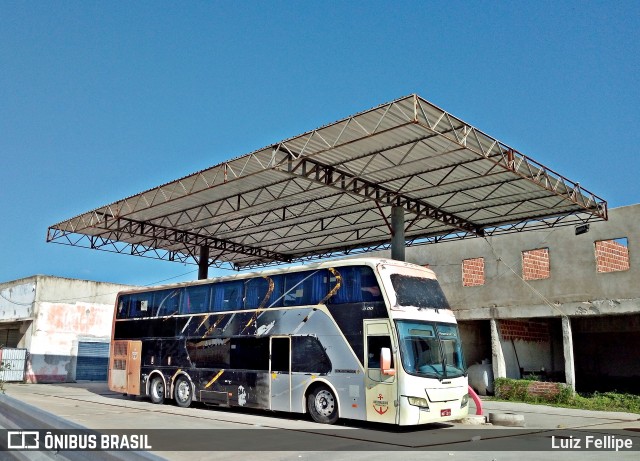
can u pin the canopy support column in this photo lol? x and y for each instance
(397, 233)
(567, 346)
(203, 263)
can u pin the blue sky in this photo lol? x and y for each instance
(102, 100)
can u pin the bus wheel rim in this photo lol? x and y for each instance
(183, 390)
(158, 389)
(324, 403)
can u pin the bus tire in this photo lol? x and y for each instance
(156, 390)
(183, 393)
(322, 405)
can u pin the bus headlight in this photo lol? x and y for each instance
(418, 402)
(465, 401)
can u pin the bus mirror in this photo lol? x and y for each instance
(385, 362)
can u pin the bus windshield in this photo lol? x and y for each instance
(420, 292)
(430, 349)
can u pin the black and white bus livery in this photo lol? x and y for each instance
(364, 339)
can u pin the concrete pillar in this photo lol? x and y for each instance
(397, 237)
(203, 263)
(497, 356)
(567, 346)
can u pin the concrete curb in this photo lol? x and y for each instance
(474, 420)
(506, 419)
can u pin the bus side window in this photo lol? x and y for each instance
(195, 300)
(256, 291)
(168, 302)
(140, 305)
(123, 307)
(275, 300)
(374, 345)
(308, 356)
(359, 284)
(305, 288)
(294, 289)
(249, 354)
(227, 296)
(369, 288)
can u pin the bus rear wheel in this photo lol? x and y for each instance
(156, 390)
(183, 393)
(322, 405)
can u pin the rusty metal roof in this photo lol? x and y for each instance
(330, 191)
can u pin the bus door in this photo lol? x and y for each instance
(381, 384)
(280, 373)
(124, 367)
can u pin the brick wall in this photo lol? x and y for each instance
(525, 330)
(544, 389)
(611, 256)
(535, 264)
(473, 272)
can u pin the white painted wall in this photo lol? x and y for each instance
(16, 300)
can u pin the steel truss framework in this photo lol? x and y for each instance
(330, 191)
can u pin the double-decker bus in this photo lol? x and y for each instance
(363, 339)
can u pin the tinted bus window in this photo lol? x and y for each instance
(122, 307)
(256, 292)
(358, 284)
(227, 296)
(305, 288)
(374, 346)
(276, 298)
(308, 355)
(166, 302)
(140, 305)
(249, 354)
(196, 299)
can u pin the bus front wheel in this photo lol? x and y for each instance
(156, 390)
(323, 405)
(183, 393)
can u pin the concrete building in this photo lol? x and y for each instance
(64, 324)
(561, 303)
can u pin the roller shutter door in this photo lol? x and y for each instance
(93, 361)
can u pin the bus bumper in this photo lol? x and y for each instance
(436, 412)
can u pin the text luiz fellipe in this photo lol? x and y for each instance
(591, 442)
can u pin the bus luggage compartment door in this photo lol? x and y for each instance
(280, 373)
(124, 367)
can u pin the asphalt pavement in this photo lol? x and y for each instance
(197, 433)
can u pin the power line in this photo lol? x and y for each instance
(78, 298)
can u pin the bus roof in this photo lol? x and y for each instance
(365, 261)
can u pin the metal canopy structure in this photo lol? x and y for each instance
(331, 192)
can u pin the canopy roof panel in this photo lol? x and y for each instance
(330, 191)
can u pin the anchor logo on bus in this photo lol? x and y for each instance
(381, 406)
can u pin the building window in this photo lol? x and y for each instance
(535, 264)
(612, 255)
(473, 272)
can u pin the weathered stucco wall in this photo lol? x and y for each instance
(55, 335)
(53, 315)
(67, 311)
(574, 286)
(17, 300)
